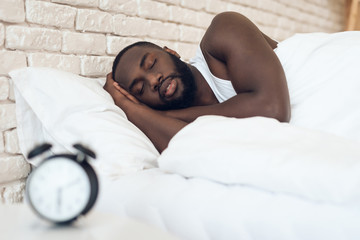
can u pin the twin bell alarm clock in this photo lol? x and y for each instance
(63, 186)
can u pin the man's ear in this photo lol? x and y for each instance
(173, 52)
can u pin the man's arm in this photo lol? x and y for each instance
(158, 127)
(236, 49)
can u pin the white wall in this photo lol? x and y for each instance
(83, 36)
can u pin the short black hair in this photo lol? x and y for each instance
(122, 52)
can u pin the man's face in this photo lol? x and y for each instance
(156, 78)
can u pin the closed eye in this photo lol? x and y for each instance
(142, 89)
(152, 65)
(137, 87)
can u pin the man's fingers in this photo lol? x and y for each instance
(125, 93)
(117, 86)
(129, 96)
(120, 89)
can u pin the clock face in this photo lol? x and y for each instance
(59, 189)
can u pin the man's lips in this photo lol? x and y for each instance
(168, 87)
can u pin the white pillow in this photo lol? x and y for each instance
(265, 154)
(63, 108)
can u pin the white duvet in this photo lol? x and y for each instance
(268, 155)
(316, 156)
(314, 160)
(323, 75)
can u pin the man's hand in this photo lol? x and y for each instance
(126, 93)
(109, 83)
(121, 97)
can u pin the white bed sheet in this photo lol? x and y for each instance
(201, 209)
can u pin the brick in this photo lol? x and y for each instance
(11, 142)
(280, 34)
(7, 116)
(4, 88)
(2, 34)
(116, 44)
(96, 66)
(251, 13)
(161, 43)
(13, 167)
(191, 34)
(50, 14)
(84, 43)
(130, 26)
(94, 21)
(182, 15)
(215, 6)
(280, 7)
(69, 63)
(285, 2)
(203, 19)
(25, 38)
(197, 5)
(13, 192)
(84, 3)
(128, 7)
(238, 8)
(264, 5)
(174, 2)
(266, 18)
(10, 60)
(12, 11)
(165, 31)
(154, 10)
(11, 93)
(291, 13)
(249, 3)
(282, 22)
(187, 50)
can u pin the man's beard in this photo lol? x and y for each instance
(187, 78)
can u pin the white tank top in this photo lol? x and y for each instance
(223, 89)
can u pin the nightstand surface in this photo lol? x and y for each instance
(19, 222)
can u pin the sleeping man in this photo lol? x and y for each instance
(235, 73)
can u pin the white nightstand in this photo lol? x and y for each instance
(19, 222)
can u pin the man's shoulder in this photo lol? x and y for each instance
(226, 20)
(223, 28)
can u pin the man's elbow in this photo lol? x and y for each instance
(279, 111)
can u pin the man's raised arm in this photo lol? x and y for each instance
(235, 49)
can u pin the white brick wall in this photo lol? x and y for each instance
(50, 14)
(94, 21)
(12, 11)
(83, 43)
(83, 36)
(30, 38)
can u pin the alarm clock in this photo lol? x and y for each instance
(63, 186)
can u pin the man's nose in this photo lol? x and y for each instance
(154, 81)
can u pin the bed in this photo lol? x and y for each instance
(220, 178)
